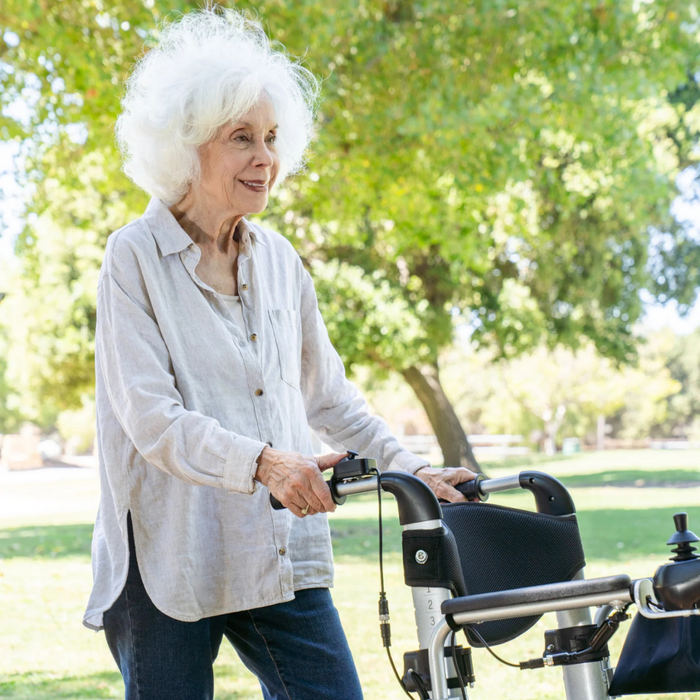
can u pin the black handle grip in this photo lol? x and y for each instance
(275, 503)
(471, 489)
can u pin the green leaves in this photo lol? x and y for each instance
(529, 149)
(505, 164)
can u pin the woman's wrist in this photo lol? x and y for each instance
(262, 461)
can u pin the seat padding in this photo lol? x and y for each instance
(535, 594)
(502, 549)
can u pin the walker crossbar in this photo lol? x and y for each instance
(529, 599)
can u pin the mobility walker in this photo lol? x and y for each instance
(493, 571)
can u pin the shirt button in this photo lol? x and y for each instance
(258, 392)
(269, 444)
(283, 551)
(254, 336)
(244, 287)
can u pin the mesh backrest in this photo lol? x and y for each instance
(503, 548)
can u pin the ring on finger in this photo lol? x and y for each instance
(304, 511)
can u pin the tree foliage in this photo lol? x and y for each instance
(684, 407)
(503, 162)
(558, 393)
(10, 416)
(500, 164)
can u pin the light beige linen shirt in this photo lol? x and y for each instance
(186, 402)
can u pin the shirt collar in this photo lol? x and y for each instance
(171, 237)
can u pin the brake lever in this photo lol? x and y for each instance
(348, 468)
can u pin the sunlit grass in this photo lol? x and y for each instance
(45, 577)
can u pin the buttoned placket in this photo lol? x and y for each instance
(249, 294)
(243, 272)
(190, 258)
(250, 351)
(252, 315)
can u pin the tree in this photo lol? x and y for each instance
(683, 362)
(495, 165)
(561, 392)
(51, 354)
(10, 417)
(493, 162)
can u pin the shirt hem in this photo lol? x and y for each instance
(275, 600)
(318, 584)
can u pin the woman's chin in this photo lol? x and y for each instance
(257, 204)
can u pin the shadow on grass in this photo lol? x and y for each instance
(48, 541)
(359, 537)
(668, 478)
(536, 461)
(350, 537)
(233, 683)
(608, 535)
(47, 686)
(617, 535)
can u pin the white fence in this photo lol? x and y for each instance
(484, 446)
(674, 445)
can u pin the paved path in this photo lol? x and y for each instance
(49, 492)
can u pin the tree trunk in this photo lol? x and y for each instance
(600, 433)
(456, 450)
(552, 422)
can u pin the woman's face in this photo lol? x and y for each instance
(240, 164)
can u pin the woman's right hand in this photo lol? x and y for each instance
(296, 481)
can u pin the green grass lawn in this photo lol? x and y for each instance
(625, 503)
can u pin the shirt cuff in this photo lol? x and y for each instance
(241, 464)
(406, 461)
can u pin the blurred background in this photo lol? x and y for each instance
(501, 214)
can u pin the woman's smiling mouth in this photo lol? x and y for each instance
(255, 185)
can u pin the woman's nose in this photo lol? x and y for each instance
(262, 156)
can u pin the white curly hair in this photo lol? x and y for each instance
(208, 69)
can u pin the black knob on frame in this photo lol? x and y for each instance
(682, 538)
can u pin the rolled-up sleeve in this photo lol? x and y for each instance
(335, 408)
(143, 393)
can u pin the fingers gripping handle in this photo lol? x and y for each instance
(471, 489)
(339, 470)
(551, 497)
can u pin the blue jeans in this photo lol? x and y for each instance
(297, 650)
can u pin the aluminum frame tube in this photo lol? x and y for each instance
(644, 592)
(350, 488)
(620, 597)
(503, 483)
(426, 607)
(586, 681)
(436, 658)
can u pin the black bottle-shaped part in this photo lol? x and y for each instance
(682, 538)
(677, 583)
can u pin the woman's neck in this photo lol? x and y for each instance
(206, 225)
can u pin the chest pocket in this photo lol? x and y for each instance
(286, 326)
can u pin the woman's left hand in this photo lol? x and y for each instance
(443, 481)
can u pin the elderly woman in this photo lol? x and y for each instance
(212, 363)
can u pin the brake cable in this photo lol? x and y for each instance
(384, 624)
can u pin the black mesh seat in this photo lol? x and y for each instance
(504, 548)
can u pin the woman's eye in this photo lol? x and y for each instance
(240, 137)
(272, 138)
